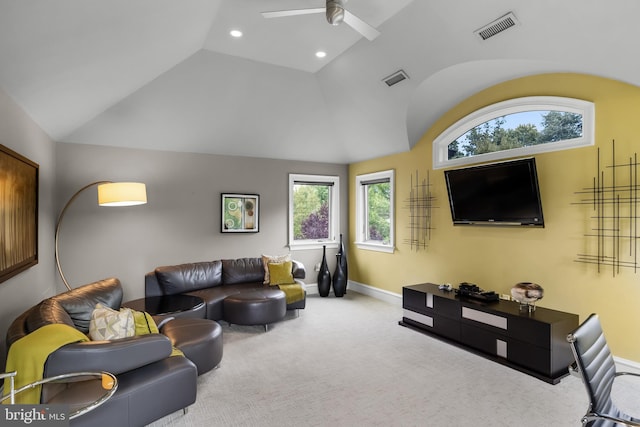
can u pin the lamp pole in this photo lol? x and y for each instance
(64, 210)
(109, 194)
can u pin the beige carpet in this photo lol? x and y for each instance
(347, 362)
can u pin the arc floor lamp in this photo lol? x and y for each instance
(109, 194)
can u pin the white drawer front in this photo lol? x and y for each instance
(501, 348)
(486, 318)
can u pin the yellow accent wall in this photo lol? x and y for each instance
(496, 258)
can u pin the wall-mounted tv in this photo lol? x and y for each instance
(504, 193)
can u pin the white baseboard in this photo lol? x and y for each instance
(311, 288)
(624, 365)
(381, 294)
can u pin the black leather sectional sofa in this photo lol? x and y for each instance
(213, 281)
(151, 383)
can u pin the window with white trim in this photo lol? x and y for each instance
(517, 127)
(314, 211)
(375, 211)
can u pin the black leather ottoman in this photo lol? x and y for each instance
(199, 339)
(259, 307)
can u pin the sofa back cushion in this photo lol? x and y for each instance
(71, 308)
(242, 270)
(80, 302)
(176, 279)
(46, 312)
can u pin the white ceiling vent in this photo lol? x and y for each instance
(395, 78)
(499, 25)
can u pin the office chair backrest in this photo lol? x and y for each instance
(596, 366)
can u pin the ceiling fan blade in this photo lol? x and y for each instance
(292, 12)
(360, 26)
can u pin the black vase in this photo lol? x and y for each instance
(343, 263)
(324, 276)
(339, 279)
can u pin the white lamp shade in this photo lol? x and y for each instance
(122, 194)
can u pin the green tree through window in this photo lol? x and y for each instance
(493, 135)
(314, 211)
(310, 211)
(378, 211)
(375, 211)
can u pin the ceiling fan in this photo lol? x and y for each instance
(336, 13)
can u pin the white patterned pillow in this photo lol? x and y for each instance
(109, 324)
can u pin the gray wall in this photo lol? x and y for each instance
(181, 221)
(21, 134)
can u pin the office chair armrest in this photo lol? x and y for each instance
(573, 370)
(632, 374)
(592, 416)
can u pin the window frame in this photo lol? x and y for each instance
(334, 211)
(512, 106)
(361, 211)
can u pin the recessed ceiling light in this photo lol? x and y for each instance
(321, 54)
(235, 33)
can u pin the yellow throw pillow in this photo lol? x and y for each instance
(109, 324)
(144, 323)
(267, 259)
(280, 273)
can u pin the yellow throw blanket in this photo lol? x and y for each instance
(28, 355)
(146, 325)
(293, 292)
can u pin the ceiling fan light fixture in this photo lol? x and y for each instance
(335, 12)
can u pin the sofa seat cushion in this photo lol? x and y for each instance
(257, 307)
(214, 297)
(176, 279)
(293, 291)
(199, 339)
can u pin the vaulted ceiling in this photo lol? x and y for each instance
(166, 74)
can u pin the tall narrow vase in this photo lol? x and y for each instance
(343, 263)
(339, 279)
(324, 276)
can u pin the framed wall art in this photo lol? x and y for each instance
(18, 213)
(240, 213)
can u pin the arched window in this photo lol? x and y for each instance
(517, 127)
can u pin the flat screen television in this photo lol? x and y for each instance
(504, 193)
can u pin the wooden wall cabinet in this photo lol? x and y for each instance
(534, 343)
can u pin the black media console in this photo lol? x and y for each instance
(534, 343)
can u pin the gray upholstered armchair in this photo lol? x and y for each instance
(595, 365)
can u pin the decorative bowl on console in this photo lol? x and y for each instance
(526, 294)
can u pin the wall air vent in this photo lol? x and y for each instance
(499, 25)
(395, 78)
